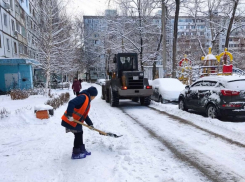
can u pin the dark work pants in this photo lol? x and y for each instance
(78, 141)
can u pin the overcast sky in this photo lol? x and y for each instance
(87, 7)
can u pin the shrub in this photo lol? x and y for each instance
(58, 101)
(4, 113)
(37, 91)
(18, 94)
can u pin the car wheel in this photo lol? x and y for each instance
(160, 99)
(182, 105)
(211, 111)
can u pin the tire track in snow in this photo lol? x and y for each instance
(184, 121)
(193, 158)
(139, 156)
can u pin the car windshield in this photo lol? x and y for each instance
(128, 62)
(236, 84)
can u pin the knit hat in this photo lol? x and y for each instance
(92, 91)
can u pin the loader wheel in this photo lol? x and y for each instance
(145, 101)
(107, 98)
(114, 98)
(103, 96)
(102, 93)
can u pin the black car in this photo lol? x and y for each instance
(217, 96)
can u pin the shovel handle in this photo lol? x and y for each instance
(79, 122)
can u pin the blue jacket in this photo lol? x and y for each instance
(77, 103)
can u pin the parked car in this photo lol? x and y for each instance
(166, 89)
(100, 81)
(216, 96)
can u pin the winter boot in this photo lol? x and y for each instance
(84, 151)
(76, 154)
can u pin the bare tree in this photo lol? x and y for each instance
(232, 17)
(53, 42)
(175, 37)
(139, 13)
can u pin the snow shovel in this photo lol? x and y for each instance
(101, 132)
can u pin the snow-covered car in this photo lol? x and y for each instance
(217, 96)
(100, 81)
(166, 89)
(238, 72)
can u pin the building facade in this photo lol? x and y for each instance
(18, 29)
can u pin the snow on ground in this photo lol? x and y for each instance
(39, 150)
(235, 130)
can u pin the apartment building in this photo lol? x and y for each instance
(94, 29)
(17, 31)
(33, 33)
(103, 39)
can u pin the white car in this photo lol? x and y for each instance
(100, 81)
(166, 89)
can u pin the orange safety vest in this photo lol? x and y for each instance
(78, 114)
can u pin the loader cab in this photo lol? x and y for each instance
(126, 62)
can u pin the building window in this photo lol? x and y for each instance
(0, 41)
(22, 14)
(23, 31)
(8, 47)
(5, 20)
(17, 27)
(20, 48)
(15, 48)
(25, 50)
(13, 25)
(30, 8)
(17, 8)
(11, 4)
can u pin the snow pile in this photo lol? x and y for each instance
(42, 107)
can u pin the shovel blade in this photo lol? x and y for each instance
(113, 135)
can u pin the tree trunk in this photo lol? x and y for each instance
(231, 23)
(176, 18)
(141, 53)
(162, 40)
(163, 35)
(141, 39)
(154, 70)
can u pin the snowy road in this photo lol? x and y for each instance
(191, 144)
(160, 143)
